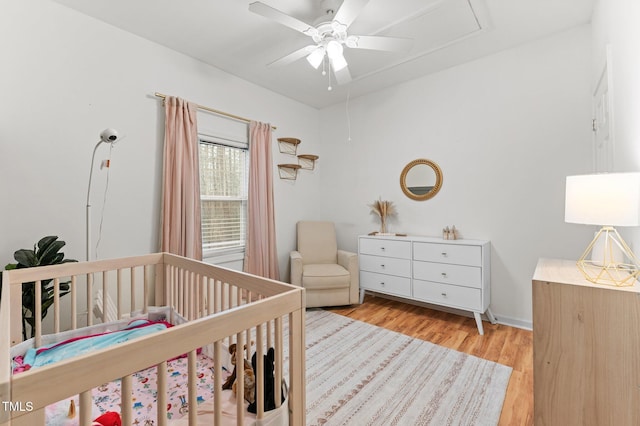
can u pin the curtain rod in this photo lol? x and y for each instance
(215, 111)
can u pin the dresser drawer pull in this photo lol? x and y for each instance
(444, 254)
(382, 266)
(382, 283)
(444, 274)
(444, 294)
(382, 248)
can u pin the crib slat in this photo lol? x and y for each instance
(74, 300)
(217, 382)
(278, 360)
(126, 405)
(56, 305)
(269, 335)
(297, 397)
(239, 379)
(38, 312)
(180, 289)
(191, 386)
(85, 408)
(89, 297)
(218, 296)
(132, 290)
(196, 296)
(202, 287)
(208, 291)
(162, 394)
(167, 295)
(105, 279)
(145, 289)
(119, 293)
(259, 373)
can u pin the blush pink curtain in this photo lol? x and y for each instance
(261, 257)
(181, 229)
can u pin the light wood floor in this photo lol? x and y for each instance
(500, 343)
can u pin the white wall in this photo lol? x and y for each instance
(615, 24)
(505, 130)
(64, 78)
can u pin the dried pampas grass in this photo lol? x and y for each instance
(383, 209)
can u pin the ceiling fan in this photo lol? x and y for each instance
(329, 34)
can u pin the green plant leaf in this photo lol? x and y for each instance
(26, 258)
(46, 241)
(49, 255)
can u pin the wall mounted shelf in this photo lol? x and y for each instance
(288, 145)
(307, 161)
(288, 171)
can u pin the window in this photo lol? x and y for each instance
(223, 194)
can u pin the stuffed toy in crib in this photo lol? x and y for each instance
(249, 377)
(268, 380)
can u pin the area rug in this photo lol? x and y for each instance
(361, 374)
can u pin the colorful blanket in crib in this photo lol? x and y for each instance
(38, 357)
(107, 397)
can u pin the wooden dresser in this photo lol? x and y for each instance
(452, 273)
(586, 349)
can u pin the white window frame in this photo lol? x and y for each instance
(232, 253)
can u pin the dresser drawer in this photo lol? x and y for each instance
(385, 283)
(469, 276)
(448, 253)
(385, 265)
(383, 247)
(449, 295)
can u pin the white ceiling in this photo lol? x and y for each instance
(225, 34)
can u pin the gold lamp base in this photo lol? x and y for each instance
(609, 269)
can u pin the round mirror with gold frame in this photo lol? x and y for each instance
(421, 179)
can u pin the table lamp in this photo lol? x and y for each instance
(608, 200)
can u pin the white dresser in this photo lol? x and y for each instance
(452, 273)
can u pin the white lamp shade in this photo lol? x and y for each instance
(316, 57)
(334, 51)
(611, 199)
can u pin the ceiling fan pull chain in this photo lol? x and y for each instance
(329, 88)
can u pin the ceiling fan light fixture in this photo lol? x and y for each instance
(316, 57)
(338, 27)
(334, 52)
(351, 42)
(334, 49)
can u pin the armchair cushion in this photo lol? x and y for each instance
(325, 275)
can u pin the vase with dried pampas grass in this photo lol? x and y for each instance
(383, 209)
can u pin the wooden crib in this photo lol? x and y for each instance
(221, 307)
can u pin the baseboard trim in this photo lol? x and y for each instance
(500, 319)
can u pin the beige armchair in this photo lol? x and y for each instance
(329, 275)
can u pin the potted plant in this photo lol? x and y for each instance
(45, 252)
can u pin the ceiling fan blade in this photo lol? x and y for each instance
(281, 17)
(343, 76)
(349, 11)
(390, 44)
(293, 56)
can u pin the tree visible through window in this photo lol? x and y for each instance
(223, 194)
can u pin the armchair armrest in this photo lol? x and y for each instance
(295, 258)
(346, 259)
(349, 261)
